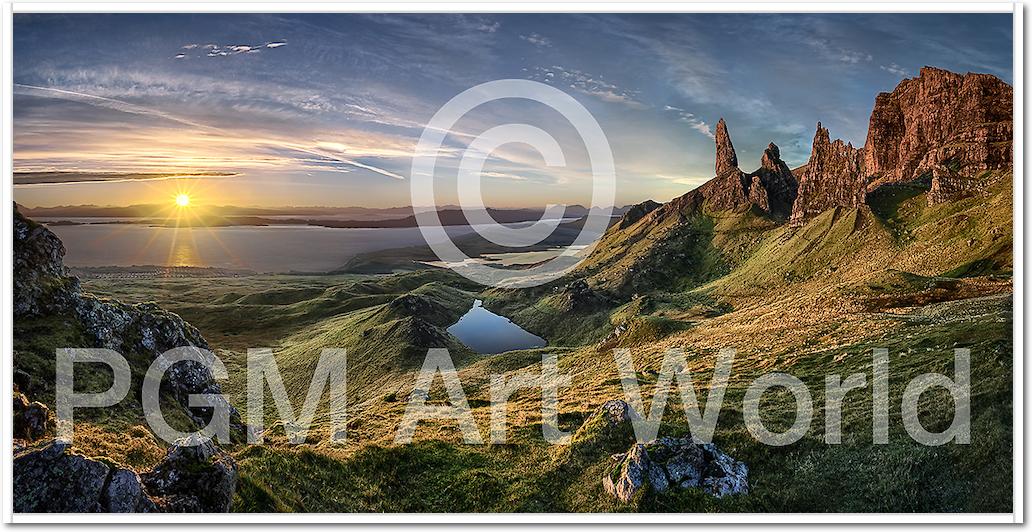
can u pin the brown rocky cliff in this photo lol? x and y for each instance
(940, 122)
(834, 177)
(775, 182)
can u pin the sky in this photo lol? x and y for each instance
(326, 109)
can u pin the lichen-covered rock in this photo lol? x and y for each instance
(41, 287)
(629, 475)
(614, 412)
(676, 463)
(195, 476)
(31, 419)
(50, 479)
(125, 494)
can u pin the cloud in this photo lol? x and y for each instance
(893, 68)
(217, 50)
(100, 101)
(690, 119)
(537, 40)
(591, 85)
(57, 177)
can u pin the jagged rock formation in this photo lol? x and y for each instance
(42, 288)
(727, 160)
(948, 126)
(833, 177)
(195, 476)
(774, 186)
(771, 188)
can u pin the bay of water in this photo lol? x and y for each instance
(266, 249)
(488, 333)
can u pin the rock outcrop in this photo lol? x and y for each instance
(834, 177)
(727, 160)
(638, 212)
(664, 463)
(31, 419)
(946, 126)
(771, 188)
(41, 287)
(676, 463)
(193, 477)
(952, 125)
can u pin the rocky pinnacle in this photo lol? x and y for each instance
(726, 158)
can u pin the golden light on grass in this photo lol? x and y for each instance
(183, 200)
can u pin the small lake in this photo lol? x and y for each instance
(488, 333)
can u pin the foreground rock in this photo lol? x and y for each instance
(41, 288)
(664, 463)
(31, 419)
(676, 463)
(51, 478)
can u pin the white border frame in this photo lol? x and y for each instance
(6, 195)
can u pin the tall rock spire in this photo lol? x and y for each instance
(726, 158)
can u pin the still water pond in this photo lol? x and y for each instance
(488, 333)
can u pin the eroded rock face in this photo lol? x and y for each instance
(834, 177)
(953, 125)
(727, 160)
(676, 463)
(773, 187)
(195, 476)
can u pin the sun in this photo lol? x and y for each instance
(183, 200)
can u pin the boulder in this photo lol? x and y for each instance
(195, 476)
(676, 463)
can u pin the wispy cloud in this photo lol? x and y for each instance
(591, 85)
(693, 121)
(537, 40)
(893, 68)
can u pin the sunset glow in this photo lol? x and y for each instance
(183, 200)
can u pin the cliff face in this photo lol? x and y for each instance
(948, 126)
(834, 177)
(940, 120)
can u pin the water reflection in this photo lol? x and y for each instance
(488, 333)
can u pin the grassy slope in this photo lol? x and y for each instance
(812, 301)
